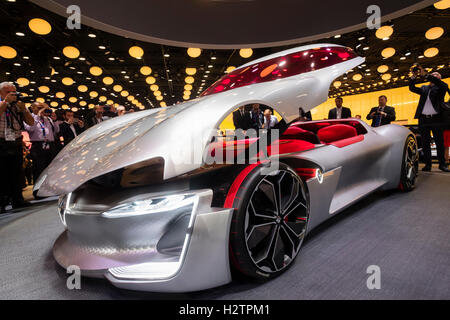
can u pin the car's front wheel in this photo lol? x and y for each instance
(410, 165)
(269, 222)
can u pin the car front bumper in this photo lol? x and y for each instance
(182, 250)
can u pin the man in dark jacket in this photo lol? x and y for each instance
(68, 129)
(429, 114)
(381, 115)
(241, 119)
(339, 112)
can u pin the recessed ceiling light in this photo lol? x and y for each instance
(102, 47)
(91, 35)
(167, 55)
(20, 34)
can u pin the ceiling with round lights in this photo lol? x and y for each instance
(88, 64)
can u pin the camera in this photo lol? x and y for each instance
(22, 98)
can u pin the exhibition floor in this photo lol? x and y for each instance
(405, 234)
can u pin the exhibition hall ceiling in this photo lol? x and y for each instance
(229, 24)
(80, 68)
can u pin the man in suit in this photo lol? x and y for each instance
(68, 129)
(339, 112)
(381, 115)
(429, 113)
(241, 119)
(98, 117)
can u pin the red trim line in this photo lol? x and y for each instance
(229, 201)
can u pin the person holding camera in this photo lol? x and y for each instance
(429, 113)
(381, 115)
(70, 129)
(43, 133)
(13, 114)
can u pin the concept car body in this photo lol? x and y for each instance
(144, 209)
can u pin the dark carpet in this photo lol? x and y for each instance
(406, 234)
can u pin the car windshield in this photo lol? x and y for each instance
(282, 67)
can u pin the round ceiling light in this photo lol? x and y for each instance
(431, 52)
(150, 80)
(93, 94)
(8, 52)
(189, 80)
(136, 52)
(83, 103)
(91, 106)
(434, 33)
(194, 52)
(82, 88)
(96, 71)
(40, 26)
(67, 81)
(442, 5)
(60, 95)
(23, 82)
(124, 93)
(159, 98)
(102, 99)
(188, 87)
(388, 52)
(41, 100)
(337, 84)
(110, 102)
(75, 109)
(130, 98)
(54, 104)
(44, 89)
(108, 80)
(73, 99)
(186, 97)
(229, 69)
(191, 71)
(187, 93)
(117, 88)
(154, 87)
(382, 69)
(357, 77)
(65, 107)
(163, 104)
(71, 52)
(246, 53)
(384, 32)
(146, 70)
(386, 77)
(157, 93)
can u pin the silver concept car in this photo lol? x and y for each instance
(144, 208)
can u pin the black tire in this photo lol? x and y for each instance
(264, 240)
(410, 165)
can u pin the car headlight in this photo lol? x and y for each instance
(149, 206)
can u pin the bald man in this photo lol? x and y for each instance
(429, 114)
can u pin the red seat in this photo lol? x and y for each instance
(336, 132)
(297, 133)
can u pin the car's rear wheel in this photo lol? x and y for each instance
(269, 222)
(410, 165)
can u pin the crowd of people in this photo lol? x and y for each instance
(47, 132)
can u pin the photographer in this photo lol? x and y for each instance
(381, 115)
(42, 136)
(12, 115)
(70, 129)
(429, 114)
